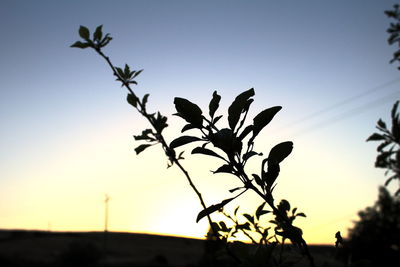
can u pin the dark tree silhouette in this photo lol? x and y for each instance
(376, 236)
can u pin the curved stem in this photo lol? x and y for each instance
(161, 139)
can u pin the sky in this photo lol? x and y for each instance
(66, 129)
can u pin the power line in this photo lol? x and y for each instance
(341, 103)
(349, 113)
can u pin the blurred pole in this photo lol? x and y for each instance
(107, 198)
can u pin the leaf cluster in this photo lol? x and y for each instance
(97, 41)
(253, 225)
(389, 148)
(394, 31)
(234, 146)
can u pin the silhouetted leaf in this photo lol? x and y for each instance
(216, 119)
(183, 140)
(105, 40)
(189, 111)
(235, 189)
(224, 168)
(141, 148)
(84, 32)
(205, 151)
(249, 217)
(236, 210)
(223, 226)
(263, 118)
(259, 209)
(137, 73)
(212, 209)
(382, 146)
(248, 155)
(127, 71)
(394, 109)
(98, 34)
(376, 137)
(294, 210)
(214, 104)
(79, 44)
(132, 100)
(145, 99)
(390, 179)
(381, 124)
(237, 107)
(120, 73)
(279, 152)
(245, 132)
(188, 127)
(270, 176)
(301, 214)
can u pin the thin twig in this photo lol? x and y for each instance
(161, 139)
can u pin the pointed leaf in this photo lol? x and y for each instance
(189, 111)
(205, 151)
(81, 45)
(214, 104)
(183, 140)
(249, 217)
(188, 127)
(216, 119)
(279, 152)
(120, 72)
(141, 148)
(127, 71)
(259, 209)
(98, 34)
(235, 189)
(245, 132)
(249, 155)
(376, 137)
(236, 210)
(212, 209)
(238, 106)
(263, 119)
(382, 146)
(132, 100)
(145, 99)
(381, 124)
(84, 32)
(224, 168)
(301, 214)
(394, 109)
(137, 73)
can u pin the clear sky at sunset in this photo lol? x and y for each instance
(66, 129)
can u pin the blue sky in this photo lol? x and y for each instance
(66, 131)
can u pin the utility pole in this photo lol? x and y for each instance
(106, 213)
(107, 198)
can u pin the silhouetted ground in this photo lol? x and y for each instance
(40, 248)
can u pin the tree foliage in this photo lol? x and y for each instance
(375, 237)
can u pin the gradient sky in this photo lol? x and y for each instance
(66, 129)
